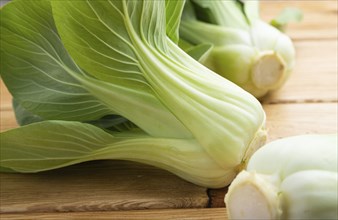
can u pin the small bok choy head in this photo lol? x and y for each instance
(246, 50)
(106, 80)
(290, 178)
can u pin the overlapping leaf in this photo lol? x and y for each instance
(53, 144)
(32, 65)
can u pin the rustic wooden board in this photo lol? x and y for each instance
(98, 186)
(7, 120)
(319, 18)
(5, 97)
(162, 214)
(298, 119)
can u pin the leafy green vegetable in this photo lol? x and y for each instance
(246, 50)
(115, 65)
(54, 144)
(42, 76)
(32, 60)
(290, 178)
(23, 116)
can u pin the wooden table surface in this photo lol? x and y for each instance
(125, 190)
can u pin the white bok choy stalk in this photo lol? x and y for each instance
(246, 50)
(290, 178)
(106, 80)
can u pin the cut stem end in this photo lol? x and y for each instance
(268, 70)
(252, 196)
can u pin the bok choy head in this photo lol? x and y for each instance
(74, 63)
(246, 50)
(289, 178)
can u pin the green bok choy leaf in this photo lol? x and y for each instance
(75, 63)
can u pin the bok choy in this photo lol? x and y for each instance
(246, 50)
(107, 80)
(291, 178)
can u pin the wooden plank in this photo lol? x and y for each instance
(319, 18)
(163, 214)
(5, 97)
(7, 120)
(297, 119)
(315, 76)
(7, 117)
(98, 186)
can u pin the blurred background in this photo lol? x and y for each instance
(2, 2)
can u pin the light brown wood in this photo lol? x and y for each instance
(7, 117)
(98, 186)
(286, 120)
(5, 97)
(319, 18)
(163, 214)
(8, 120)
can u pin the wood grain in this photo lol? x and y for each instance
(319, 18)
(7, 120)
(284, 120)
(164, 214)
(5, 97)
(98, 186)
